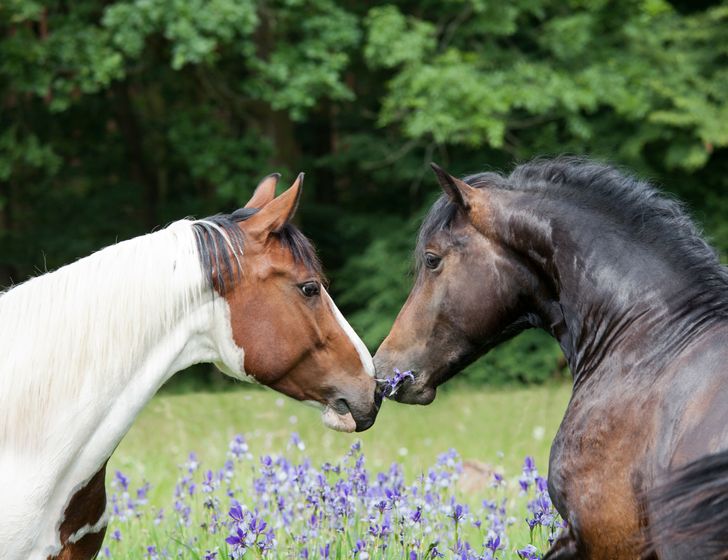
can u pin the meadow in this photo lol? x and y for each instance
(250, 473)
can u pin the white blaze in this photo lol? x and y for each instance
(364, 355)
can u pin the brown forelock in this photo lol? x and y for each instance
(291, 343)
(85, 508)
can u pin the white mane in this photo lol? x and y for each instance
(83, 349)
(81, 329)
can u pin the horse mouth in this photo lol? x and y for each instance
(415, 391)
(337, 416)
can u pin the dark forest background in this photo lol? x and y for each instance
(119, 117)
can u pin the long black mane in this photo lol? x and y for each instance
(220, 244)
(650, 216)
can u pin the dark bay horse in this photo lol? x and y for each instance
(85, 347)
(638, 301)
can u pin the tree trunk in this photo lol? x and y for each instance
(139, 166)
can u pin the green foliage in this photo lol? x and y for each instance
(498, 73)
(533, 357)
(381, 277)
(394, 39)
(118, 117)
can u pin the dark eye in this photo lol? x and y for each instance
(432, 261)
(310, 289)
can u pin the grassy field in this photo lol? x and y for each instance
(492, 430)
(497, 427)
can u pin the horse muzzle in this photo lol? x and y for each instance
(350, 413)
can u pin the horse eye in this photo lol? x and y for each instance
(432, 261)
(310, 289)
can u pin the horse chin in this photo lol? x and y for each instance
(413, 394)
(336, 421)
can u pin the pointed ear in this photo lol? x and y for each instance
(274, 215)
(458, 191)
(264, 192)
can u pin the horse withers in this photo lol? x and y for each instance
(638, 301)
(85, 347)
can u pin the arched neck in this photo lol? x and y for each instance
(603, 295)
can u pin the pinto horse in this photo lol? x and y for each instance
(85, 347)
(638, 301)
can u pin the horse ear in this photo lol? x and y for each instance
(274, 215)
(264, 192)
(458, 191)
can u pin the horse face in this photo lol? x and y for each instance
(466, 295)
(293, 337)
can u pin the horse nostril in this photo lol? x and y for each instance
(340, 406)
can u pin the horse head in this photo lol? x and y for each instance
(292, 336)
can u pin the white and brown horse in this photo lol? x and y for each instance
(84, 348)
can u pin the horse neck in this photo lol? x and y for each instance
(602, 294)
(98, 335)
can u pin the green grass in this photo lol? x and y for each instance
(497, 427)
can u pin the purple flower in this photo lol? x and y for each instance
(122, 480)
(236, 512)
(141, 493)
(297, 442)
(238, 448)
(192, 463)
(238, 540)
(391, 385)
(497, 480)
(458, 513)
(494, 543)
(528, 552)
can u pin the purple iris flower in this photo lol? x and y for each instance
(458, 513)
(391, 385)
(494, 543)
(528, 552)
(297, 442)
(238, 539)
(122, 480)
(236, 512)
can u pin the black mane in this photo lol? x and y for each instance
(650, 216)
(216, 235)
